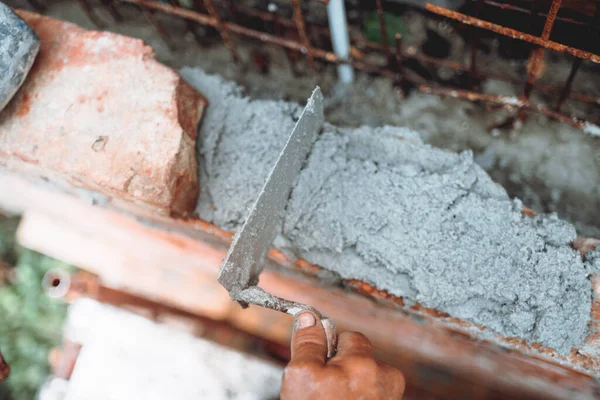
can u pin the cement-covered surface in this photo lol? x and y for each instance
(376, 204)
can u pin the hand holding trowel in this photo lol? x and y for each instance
(245, 258)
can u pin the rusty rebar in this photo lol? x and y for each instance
(411, 53)
(512, 7)
(513, 33)
(222, 28)
(537, 56)
(512, 102)
(301, 27)
(474, 46)
(567, 88)
(383, 33)
(330, 57)
(536, 64)
(399, 60)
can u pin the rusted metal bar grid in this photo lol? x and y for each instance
(409, 53)
(512, 7)
(513, 33)
(330, 57)
(535, 64)
(511, 102)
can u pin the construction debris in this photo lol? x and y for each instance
(18, 47)
(380, 206)
(98, 111)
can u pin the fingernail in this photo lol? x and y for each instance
(304, 320)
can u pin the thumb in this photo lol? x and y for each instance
(309, 341)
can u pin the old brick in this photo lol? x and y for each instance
(98, 111)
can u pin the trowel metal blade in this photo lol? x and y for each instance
(246, 255)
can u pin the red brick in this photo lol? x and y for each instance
(98, 111)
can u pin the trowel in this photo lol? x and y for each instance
(246, 255)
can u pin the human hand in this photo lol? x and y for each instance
(353, 373)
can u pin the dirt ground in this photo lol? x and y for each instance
(552, 167)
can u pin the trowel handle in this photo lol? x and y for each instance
(331, 335)
(327, 323)
(257, 296)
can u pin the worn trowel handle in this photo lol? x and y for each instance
(257, 296)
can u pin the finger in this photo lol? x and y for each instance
(391, 380)
(309, 343)
(353, 344)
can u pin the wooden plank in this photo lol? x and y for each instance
(435, 357)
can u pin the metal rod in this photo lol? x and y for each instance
(301, 27)
(474, 46)
(513, 33)
(512, 7)
(567, 88)
(511, 103)
(383, 33)
(399, 61)
(409, 53)
(536, 63)
(330, 57)
(222, 28)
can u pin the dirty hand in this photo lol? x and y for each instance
(352, 374)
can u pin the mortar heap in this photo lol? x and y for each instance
(379, 205)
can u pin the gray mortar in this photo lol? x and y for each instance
(18, 47)
(237, 134)
(376, 204)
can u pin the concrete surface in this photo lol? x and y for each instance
(379, 205)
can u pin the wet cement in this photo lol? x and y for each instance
(379, 205)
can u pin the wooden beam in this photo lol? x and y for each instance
(176, 267)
